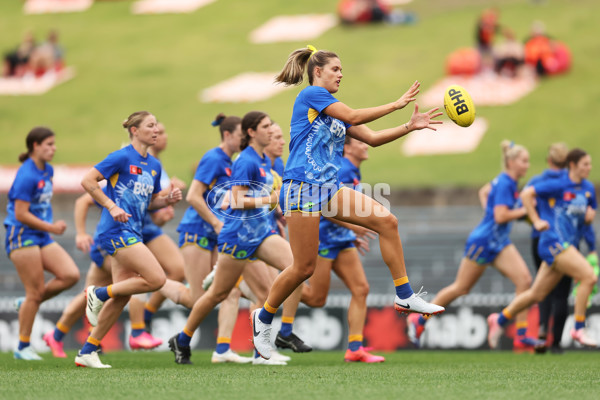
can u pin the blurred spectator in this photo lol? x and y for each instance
(547, 55)
(16, 61)
(367, 11)
(487, 27)
(509, 55)
(47, 57)
(30, 59)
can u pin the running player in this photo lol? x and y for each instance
(318, 128)
(337, 252)
(556, 303)
(28, 242)
(489, 244)
(133, 185)
(565, 205)
(247, 233)
(200, 226)
(160, 244)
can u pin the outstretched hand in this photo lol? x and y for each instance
(424, 120)
(408, 96)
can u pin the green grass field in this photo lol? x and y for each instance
(125, 63)
(321, 375)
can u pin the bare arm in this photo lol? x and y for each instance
(528, 197)
(377, 138)
(483, 194)
(195, 196)
(83, 240)
(361, 116)
(590, 214)
(503, 214)
(240, 201)
(160, 201)
(90, 184)
(24, 216)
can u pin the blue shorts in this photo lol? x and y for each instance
(482, 251)
(549, 247)
(298, 196)
(204, 242)
(150, 231)
(241, 251)
(97, 254)
(331, 251)
(112, 243)
(19, 237)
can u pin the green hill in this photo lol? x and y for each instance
(160, 63)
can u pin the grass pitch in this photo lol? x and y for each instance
(320, 375)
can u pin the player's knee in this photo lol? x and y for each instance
(157, 281)
(389, 223)
(71, 278)
(361, 290)
(304, 270)
(523, 283)
(35, 295)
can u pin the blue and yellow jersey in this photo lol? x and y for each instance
(132, 180)
(249, 226)
(563, 203)
(34, 186)
(331, 234)
(278, 166)
(214, 170)
(504, 192)
(316, 139)
(546, 174)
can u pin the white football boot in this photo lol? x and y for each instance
(90, 360)
(229, 356)
(261, 335)
(415, 304)
(93, 305)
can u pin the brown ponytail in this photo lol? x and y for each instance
(301, 59)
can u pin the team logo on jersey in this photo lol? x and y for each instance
(569, 196)
(228, 171)
(41, 184)
(241, 254)
(588, 195)
(203, 241)
(262, 172)
(551, 202)
(356, 182)
(516, 194)
(135, 170)
(153, 173)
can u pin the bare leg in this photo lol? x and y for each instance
(303, 231)
(58, 262)
(349, 268)
(510, 264)
(315, 293)
(467, 276)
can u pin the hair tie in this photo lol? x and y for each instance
(215, 123)
(312, 49)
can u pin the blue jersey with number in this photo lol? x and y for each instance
(503, 193)
(331, 234)
(249, 226)
(131, 182)
(214, 170)
(32, 185)
(563, 204)
(316, 139)
(547, 174)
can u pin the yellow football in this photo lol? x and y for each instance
(459, 105)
